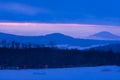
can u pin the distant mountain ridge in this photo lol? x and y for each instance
(58, 38)
(104, 35)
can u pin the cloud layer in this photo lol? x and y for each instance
(21, 8)
(75, 30)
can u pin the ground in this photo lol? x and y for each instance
(82, 73)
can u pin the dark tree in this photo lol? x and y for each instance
(4, 43)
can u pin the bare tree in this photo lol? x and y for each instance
(17, 45)
(4, 43)
(29, 45)
(13, 44)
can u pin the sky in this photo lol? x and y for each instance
(72, 17)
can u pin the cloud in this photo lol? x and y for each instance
(21, 8)
(75, 30)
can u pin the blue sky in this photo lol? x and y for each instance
(61, 11)
(92, 12)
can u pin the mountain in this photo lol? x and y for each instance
(109, 47)
(57, 38)
(104, 35)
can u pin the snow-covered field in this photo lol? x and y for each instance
(83, 73)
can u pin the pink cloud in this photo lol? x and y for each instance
(76, 30)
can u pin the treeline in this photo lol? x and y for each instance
(52, 57)
(55, 58)
(19, 45)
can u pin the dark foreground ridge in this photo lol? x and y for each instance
(46, 57)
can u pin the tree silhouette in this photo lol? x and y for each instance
(29, 45)
(13, 44)
(4, 43)
(35, 56)
(17, 45)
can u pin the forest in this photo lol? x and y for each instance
(16, 55)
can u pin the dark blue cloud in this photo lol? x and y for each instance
(61, 11)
